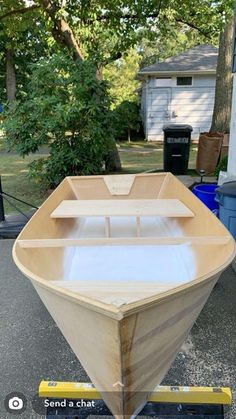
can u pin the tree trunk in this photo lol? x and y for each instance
(129, 136)
(10, 76)
(224, 81)
(61, 31)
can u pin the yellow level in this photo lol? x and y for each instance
(164, 394)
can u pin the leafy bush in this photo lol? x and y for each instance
(126, 119)
(221, 166)
(68, 109)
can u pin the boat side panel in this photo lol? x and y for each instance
(44, 262)
(152, 338)
(42, 225)
(94, 338)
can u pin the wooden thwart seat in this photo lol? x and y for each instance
(122, 208)
(126, 241)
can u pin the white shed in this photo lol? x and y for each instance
(179, 90)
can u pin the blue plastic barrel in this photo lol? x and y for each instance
(206, 192)
(226, 196)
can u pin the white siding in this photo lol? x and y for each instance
(191, 105)
(143, 111)
(209, 81)
(194, 107)
(159, 103)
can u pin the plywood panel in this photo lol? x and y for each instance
(134, 207)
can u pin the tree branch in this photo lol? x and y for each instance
(127, 15)
(193, 26)
(113, 57)
(62, 32)
(19, 11)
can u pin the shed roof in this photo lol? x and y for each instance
(202, 58)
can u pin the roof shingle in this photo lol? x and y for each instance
(200, 58)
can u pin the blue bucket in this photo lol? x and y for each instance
(206, 192)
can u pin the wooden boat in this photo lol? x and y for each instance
(124, 264)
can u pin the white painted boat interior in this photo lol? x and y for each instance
(132, 263)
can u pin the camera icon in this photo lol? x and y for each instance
(15, 403)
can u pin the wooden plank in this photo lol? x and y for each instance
(124, 207)
(119, 184)
(125, 241)
(152, 339)
(99, 353)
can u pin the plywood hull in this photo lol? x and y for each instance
(134, 352)
(125, 291)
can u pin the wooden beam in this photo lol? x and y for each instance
(124, 241)
(120, 208)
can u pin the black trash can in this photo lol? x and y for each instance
(177, 139)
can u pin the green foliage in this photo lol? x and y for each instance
(183, 24)
(126, 119)
(168, 44)
(68, 109)
(222, 166)
(121, 75)
(26, 36)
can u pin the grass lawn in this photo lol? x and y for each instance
(13, 170)
(142, 156)
(136, 157)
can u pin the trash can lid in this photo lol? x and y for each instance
(177, 127)
(228, 189)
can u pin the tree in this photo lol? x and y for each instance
(10, 75)
(224, 81)
(68, 109)
(101, 31)
(127, 118)
(121, 76)
(23, 40)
